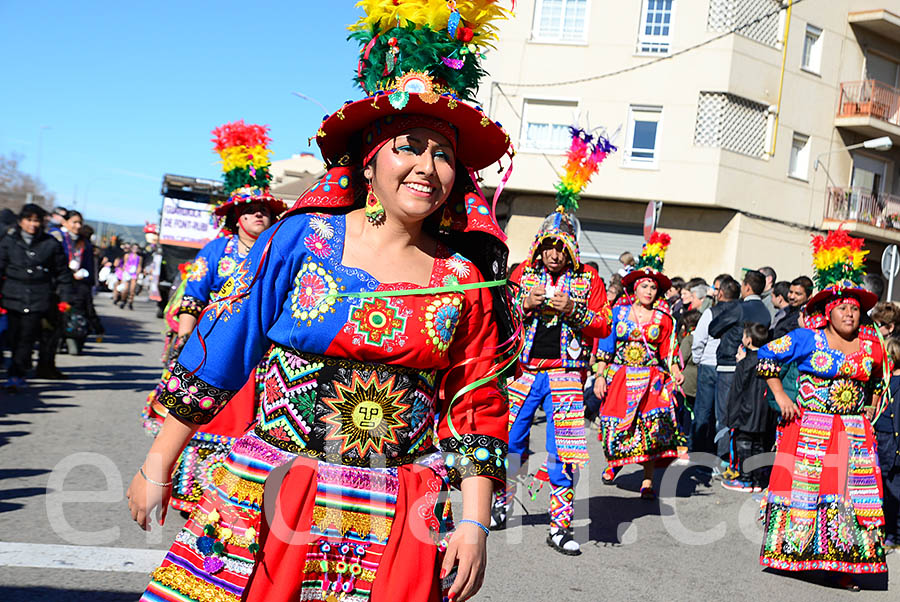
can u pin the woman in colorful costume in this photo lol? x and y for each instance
(637, 373)
(828, 515)
(383, 329)
(249, 210)
(565, 308)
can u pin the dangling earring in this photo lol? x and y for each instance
(446, 221)
(374, 209)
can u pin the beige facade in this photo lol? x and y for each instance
(720, 133)
(291, 177)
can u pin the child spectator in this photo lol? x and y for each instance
(886, 316)
(689, 320)
(748, 412)
(628, 262)
(886, 429)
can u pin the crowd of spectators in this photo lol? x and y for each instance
(49, 274)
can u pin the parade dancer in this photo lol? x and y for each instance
(249, 210)
(383, 320)
(565, 307)
(637, 373)
(823, 508)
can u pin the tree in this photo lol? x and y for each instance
(15, 185)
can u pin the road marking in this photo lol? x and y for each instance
(84, 558)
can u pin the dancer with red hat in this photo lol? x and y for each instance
(381, 301)
(249, 210)
(823, 508)
(637, 371)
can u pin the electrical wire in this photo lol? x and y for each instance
(657, 60)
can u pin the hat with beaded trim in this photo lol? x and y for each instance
(586, 152)
(839, 263)
(419, 65)
(244, 151)
(422, 57)
(650, 264)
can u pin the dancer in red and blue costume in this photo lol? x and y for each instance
(827, 515)
(637, 373)
(249, 210)
(381, 305)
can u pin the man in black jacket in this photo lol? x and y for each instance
(32, 265)
(727, 325)
(801, 290)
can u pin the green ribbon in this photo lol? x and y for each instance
(435, 290)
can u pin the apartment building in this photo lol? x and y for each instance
(720, 109)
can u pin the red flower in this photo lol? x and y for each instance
(63, 307)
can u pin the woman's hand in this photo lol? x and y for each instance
(600, 385)
(789, 409)
(467, 550)
(677, 377)
(144, 497)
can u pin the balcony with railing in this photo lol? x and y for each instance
(862, 210)
(871, 108)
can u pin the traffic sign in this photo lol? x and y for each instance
(651, 215)
(890, 265)
(890, 262)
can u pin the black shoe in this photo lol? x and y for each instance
(498, 517)
(562, 538)
(50, 374)
(130, 305)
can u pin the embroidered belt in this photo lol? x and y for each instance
(842, 396)
(347, 412)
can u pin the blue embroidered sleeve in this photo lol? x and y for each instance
(231, 339)
(780, 352)
(606, 347)
(200, 278)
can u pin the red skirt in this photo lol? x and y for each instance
(299, 537)
(637, 417)
(823, 508)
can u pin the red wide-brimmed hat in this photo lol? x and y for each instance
(421, 58)
(244, 151)
(839, 262)
(650, 264)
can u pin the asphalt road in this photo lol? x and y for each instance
(68, 450)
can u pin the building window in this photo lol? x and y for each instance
(642, 145)
(812, 49)
(656, 26)
(545, 125)
(799, 157)
(560, 20)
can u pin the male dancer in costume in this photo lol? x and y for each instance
(565, 307)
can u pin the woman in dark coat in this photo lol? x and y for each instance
(32, 265)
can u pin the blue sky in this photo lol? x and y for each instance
(130, 91)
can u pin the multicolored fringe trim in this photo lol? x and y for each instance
(214, 553)
(196, 466)
(833, 540)
(654, 436)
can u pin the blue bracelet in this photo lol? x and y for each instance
(477, 524)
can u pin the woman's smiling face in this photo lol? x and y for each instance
(413, 174)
